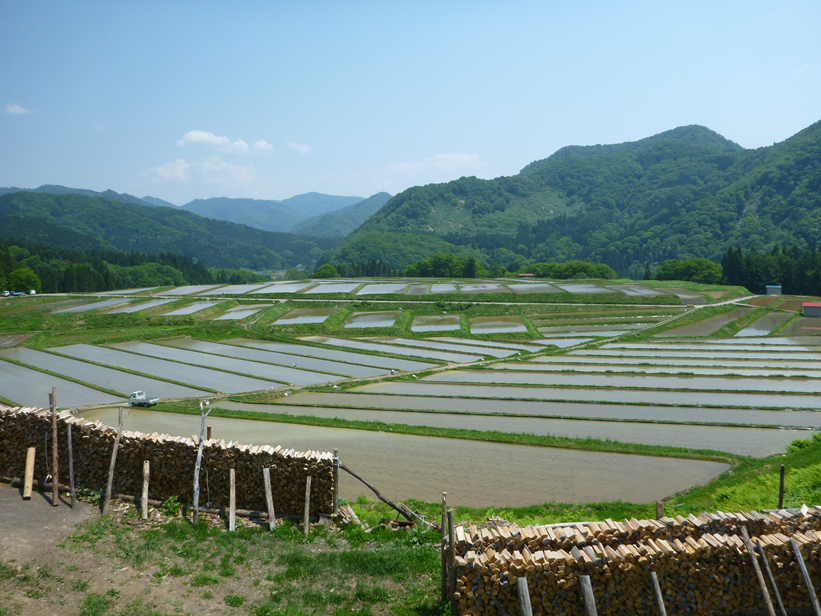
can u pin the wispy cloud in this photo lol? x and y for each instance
(214, 170)
(238, 147)
(262, 147)
(202, 137)
(300, 147)
(454, 163)
(13, 109)
(803, 68)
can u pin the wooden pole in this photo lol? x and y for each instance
(781, 489)
(657, 594)
(777, 594)
(524, 596)
(28, 482)
(232, 500)
(208, 432)
(110, 484)
(336, 482)
(587, 596)
(659, 510)
(144, 500)
(807, 580)
(272, 518)
(377, 492)
(444, 529)
(306, 520)
(454, 609)
(71, 469)
(758, 576)
(55, 479)
(195, 514)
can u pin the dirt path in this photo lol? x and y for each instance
(29, 529)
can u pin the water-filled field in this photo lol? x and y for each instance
(338, 287)
(534, 288)
(804, 326)
(583, 289)
(240, 312)
(139, 307)
(376, 289)
(28, 387)
(113, 380)
(707, 326)
(764, 325)
(190, 309)
(756, 442)
(674, 369)
(581, 357)
(302, 316)
(395, 349)
(474, 474)
(293, 287)
(365, 320)
(464, 347)
(436, 323)
(93, 306)
(497, 325)
(236, 289)
(188, 290)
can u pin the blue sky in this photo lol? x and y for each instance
(271, 99)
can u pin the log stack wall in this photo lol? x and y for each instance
(701, 562)
(172, 462)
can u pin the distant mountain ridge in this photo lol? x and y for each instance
(342, 222)
(687, 192)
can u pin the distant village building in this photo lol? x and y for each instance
(812, 309)
(525, 275)
(773, 289)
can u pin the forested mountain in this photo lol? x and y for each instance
(684, 193)
(74, 220)
(56, 189)
(267, 214)
(342, 222)
(155, 201)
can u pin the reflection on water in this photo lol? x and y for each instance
(436, 323)
(305, 315)
(497, 325)
(372, 319)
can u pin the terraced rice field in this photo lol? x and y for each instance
(27, 387)
(93, 306)
(139, 307)
(240, 312)
(190, 309)
(473, 473)
(706, 326)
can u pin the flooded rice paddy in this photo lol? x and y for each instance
(272, 357)
(436, 323)
(474, 474)
(583, 289)
(271, 372)
(126, 291)
(756, 442)
(28, 387)
(117, 381)
(723, 353)
(534, 288)
(427, 343)
(339, 287)
(293, 287)
(579, 357)
(365, 320)
(375, 289)
(764, 325)
(443, 288)
(803, 326)
(630, 381)
(591, 394)
(674, 369)
(497, 325)
(190, 309)
(194, 376)
(483, 287)
(418, 289)
(305, 350)
(142, 306)
(705, 327)
(236, 289)
(188, 290)
(302, 316)
(395, 350)
(240, 312)
(93, 306)
(496, 344)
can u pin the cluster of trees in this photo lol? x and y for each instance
(446, 265)
(16, 277)
(572, 269)
(53, 269)
(797, 270)
(374, 267)
(694, 270)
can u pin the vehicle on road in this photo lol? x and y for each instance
(138, 398)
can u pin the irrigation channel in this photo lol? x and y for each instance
(637, 376)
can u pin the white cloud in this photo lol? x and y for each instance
(15, 109)
(214, 170)
(238, 147)
(451, 163)
(803, 68)
(202, 137)
(263, 147)
(299, 147)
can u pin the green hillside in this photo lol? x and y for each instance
(342, 222)
(74, 220)
(683, 193)
(56, 189)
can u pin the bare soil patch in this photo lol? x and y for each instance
(13, 340)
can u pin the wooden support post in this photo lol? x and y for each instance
(110, 484)
(272, 518)
(777, 594)
(454, 609)
(55, 473)
(232, 500)
(144, 500)
(444, 529)
(71, 469)
(524, 596)
(208, 433)
(336, 482)
(781, 489)
(195, 514)
(659, 510)
(807, 580)
(305, 523)
(28, 482)
(758, 576)
(657, 594)
(587, 596)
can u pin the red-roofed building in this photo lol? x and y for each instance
(812, 309)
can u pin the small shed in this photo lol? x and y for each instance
(773, 289)
(812, 309)
(525, 275)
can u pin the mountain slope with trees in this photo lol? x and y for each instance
(344, 221)
(74, 220)
(683, 193)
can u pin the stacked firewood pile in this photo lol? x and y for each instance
(702, 563)
(171, 460)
